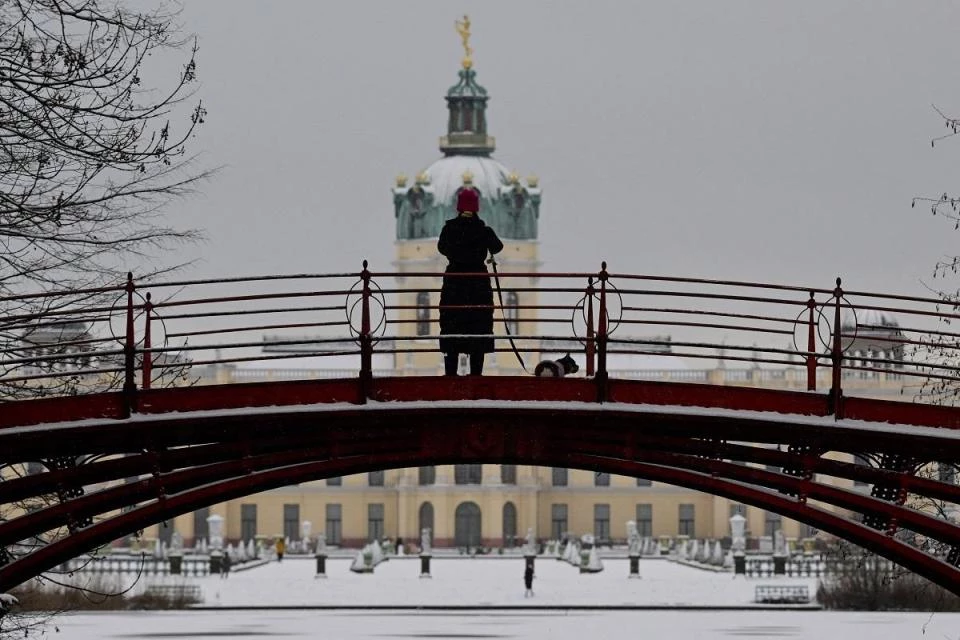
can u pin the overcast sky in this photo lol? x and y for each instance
(762, 141)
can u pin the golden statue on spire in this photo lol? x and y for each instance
(463, 28)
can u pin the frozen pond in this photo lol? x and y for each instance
(549, 625)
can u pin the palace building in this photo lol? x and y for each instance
(490, 505)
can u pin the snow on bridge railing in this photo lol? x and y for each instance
(162, 333)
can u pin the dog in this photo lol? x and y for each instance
(556, 368)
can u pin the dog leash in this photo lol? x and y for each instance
(506, 325)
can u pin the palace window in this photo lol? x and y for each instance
(601, 479)
(771, 523)
(336, 481)
(508, 474)
(559, 477)
(427, 476)
(643, 482)
(375, 478)
(334, 525)
(601, 522)
(645, 520)
(468, 473)
(201, 530)
(686, 525)
(374, 522)
(511, 313)
(248, 522)
(291, 521)
(425, 517)
(558, 520)
(509, 524)
(423, 313)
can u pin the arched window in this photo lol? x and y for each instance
(423, 313)
(509, 524)
(511, 312)
(425, 517)
(467, 525)
(428, 476)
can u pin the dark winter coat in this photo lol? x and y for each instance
(465, 241)
(528, 578)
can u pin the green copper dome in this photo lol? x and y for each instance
(506, 204)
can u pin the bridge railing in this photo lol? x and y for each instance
(145, 334)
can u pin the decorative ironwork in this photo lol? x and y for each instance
(889, 492)
(352, 307)
(67, 493)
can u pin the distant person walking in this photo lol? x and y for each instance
(465, 241)
(528, 582)
(281, 546)
(225, 566)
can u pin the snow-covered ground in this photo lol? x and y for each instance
(481, 581)
(496, 582)
(535, 625)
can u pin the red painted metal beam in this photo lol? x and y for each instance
(109, 406)
(170, 430)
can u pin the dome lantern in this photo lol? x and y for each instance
(467, 104)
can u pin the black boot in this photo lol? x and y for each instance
(450, 363)
(476, 364)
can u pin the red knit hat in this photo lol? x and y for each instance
(468, 200)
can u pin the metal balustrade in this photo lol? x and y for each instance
(139, 335)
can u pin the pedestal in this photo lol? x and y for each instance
(176, 565)
(321, 566)
(634, 566)
(216, 561)
(739, 565)
(779, 565)
(425, 567)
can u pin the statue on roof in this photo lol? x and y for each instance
(463, 28)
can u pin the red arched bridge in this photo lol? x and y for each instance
(125, 406)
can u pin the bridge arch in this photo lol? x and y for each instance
(234, 487)
(196, 461)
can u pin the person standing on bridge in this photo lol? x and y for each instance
(465, 241)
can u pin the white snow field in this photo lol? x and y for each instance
(500, 623)
(481, 581)
(498, 583)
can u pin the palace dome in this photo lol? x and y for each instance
(868, 320)
(447, 177)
